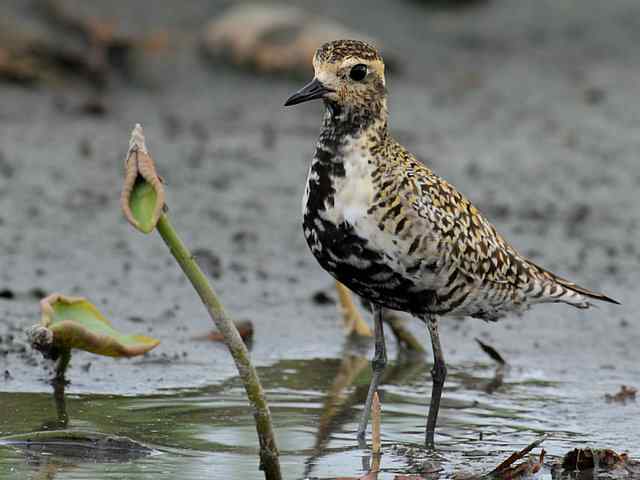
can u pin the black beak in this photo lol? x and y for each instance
(310, 91)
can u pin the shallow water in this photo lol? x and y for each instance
(209, 432)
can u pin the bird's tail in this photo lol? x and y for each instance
(569, 292)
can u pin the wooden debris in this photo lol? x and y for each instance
(108, 47)
(17, 69)
(100, 49)
(506, 470)
(245, 329)
(272, 38)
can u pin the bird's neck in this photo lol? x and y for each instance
(344, 127)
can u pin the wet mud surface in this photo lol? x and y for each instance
(529, 108)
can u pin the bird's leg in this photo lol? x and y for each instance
(378, 363)
(438, 375)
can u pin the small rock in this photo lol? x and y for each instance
(7, 294)
(321, 298)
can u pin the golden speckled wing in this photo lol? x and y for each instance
(465, 238)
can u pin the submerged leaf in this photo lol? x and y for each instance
(142, 198)
(70, 443)
(76, 323)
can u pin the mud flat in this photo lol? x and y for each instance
(529, 108)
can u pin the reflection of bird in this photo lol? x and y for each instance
(393, 231)
(356, 326)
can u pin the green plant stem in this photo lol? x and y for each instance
(61, 406)
(61, 367)
(269, 462)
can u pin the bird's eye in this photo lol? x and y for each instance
(358, 72)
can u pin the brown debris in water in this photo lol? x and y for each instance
(587, 458)
(245, 329)
(16, 68)
(623, 395)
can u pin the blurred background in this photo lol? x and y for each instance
(530, 108)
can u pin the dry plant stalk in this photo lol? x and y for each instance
(505, 470)
(376, 441)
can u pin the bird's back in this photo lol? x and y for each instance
(473, 269)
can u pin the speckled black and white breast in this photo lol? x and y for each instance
(344, 235)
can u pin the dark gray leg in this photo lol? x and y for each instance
(438, 375)
(378, 363)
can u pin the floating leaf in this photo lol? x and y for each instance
(142, 198)
(74, 322)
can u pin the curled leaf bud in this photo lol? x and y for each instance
(41, 339)
(142, 198)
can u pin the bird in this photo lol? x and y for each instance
(394, 232)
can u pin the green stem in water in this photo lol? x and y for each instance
(63, 363)
(269, 462)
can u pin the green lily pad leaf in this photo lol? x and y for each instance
(142, 198)
(78, 444)
(77, 323)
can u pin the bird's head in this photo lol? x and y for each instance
(349, 74)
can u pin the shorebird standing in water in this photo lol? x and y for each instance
(394, 232)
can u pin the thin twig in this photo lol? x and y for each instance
(514, 457)
(492, 352)
(376, 442)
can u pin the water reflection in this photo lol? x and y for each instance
(208, 432)
(338, 407)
